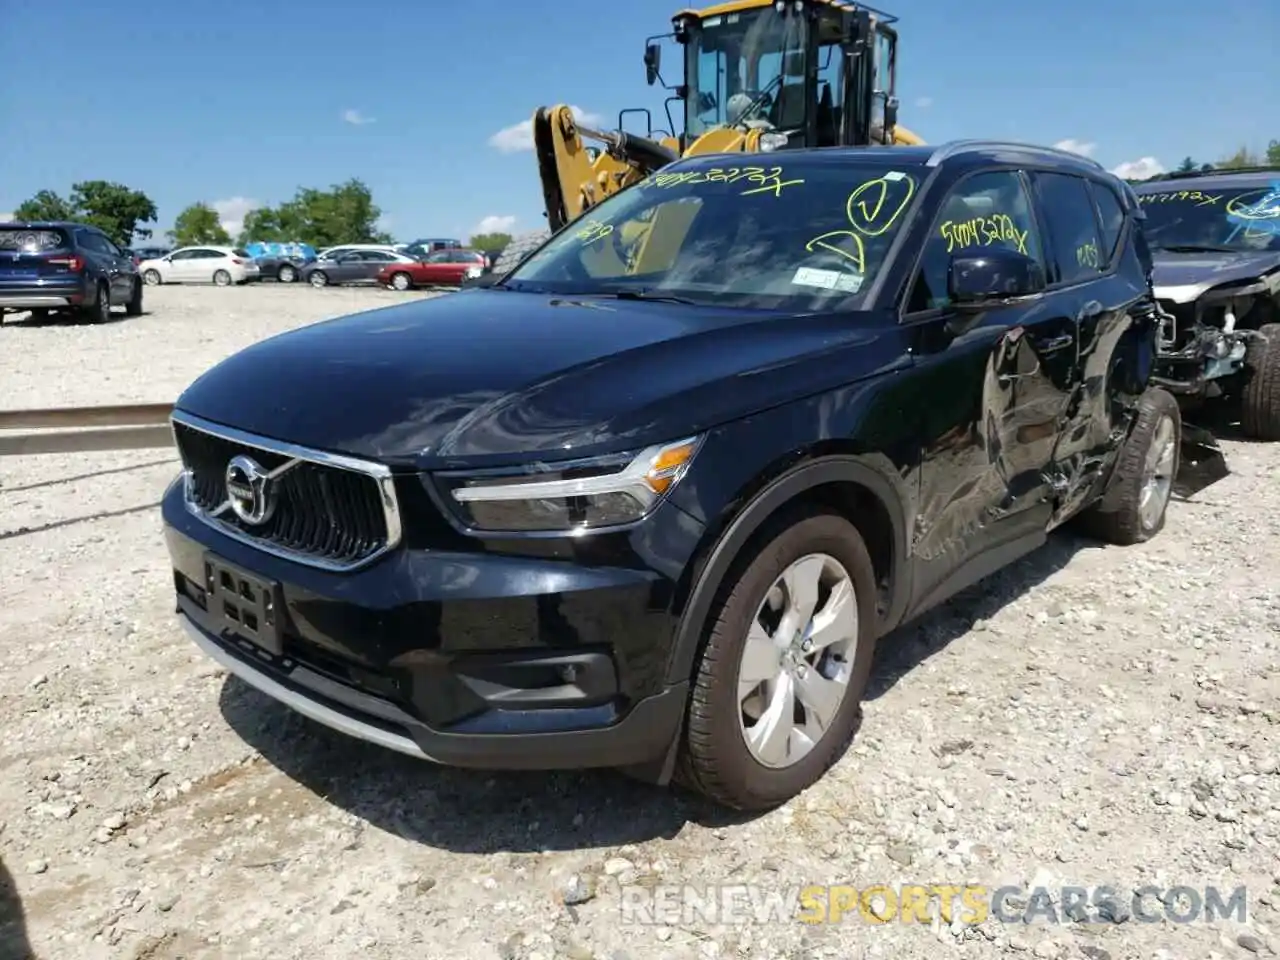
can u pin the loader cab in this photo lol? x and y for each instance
(805, 73)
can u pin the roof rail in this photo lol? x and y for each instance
(957, 147)
(1216, 172)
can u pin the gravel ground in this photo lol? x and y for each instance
(1091, 716)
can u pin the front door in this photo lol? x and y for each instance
(999, 383)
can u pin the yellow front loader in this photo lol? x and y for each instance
(758, 75)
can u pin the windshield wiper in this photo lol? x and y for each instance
(1196, 248)
(647, 295)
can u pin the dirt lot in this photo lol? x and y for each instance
(1093, 716)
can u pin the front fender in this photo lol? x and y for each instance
(874, 472)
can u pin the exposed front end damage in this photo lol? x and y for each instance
(1205, 333)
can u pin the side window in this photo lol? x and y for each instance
(1072, 227)
(1110, 215)
(984, 210)
(108, 247)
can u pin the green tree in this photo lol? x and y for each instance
(45, 205)
(1273, 153)
(1188, 165)
(491, 243)
(114, 208)
(198, 223)
(1244, 157)
(345, 213)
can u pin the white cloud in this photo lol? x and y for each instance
(6, 217)
(519, 136)
(924, 103)
(494, 223)
(1081, 147)
(1141, 169)
(355, 117)
(232, 211)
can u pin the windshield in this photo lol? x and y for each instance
(1233, 218)
(810, 235)
(734, 71)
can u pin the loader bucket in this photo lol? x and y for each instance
(1201, 464)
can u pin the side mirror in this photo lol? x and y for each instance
(979, 280)
(890, 114)
(652, 63)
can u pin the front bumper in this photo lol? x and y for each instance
(471, 660)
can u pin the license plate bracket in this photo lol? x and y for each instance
(244, 604)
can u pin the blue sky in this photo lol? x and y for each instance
(239, 105)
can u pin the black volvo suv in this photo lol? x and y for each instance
(650, 499)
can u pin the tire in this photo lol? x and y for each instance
(222, 278)
(518, 249)
(1260, 400)
(401, 281)
(134, 307)
(287, 273)
(319, 279)
(153, 278)
(100, 310)
(716, 758)
(1147, 463)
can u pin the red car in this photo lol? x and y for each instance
(444, 268)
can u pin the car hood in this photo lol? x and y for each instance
(1183, 277)
(485, 376)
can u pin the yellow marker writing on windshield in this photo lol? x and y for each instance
(1187, 196)
(762, 180)
(871, 209)
(1087, 255)
(593, 230)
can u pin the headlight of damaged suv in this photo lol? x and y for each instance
(572, 498)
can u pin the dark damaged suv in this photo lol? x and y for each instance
(650, 500)
(1215, 239)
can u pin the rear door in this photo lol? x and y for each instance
(119, 270)
(1084, 224)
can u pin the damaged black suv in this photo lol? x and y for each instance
(1215, 240)
(651, 499)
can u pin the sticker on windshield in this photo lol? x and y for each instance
(827, 280)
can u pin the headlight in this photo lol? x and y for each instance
(474, 272)
(576, 498)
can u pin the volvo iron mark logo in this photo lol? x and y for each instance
(250, 491)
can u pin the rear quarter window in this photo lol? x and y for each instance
(26, 240)
(1110, 217)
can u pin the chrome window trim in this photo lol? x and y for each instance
(380, 473)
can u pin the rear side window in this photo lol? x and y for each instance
(26, 240)
(242, 253)
(1110, 216)
(1075, 248)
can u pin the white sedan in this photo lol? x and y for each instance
(205, 264)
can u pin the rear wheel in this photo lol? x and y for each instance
(777, 691)
(99, 311)
(134, 307)
(153, 277)
(1134, 507)
(222, 278)
(1260, 401)
(319, 279)
(518, 249)
(401, 281)
(287, 273)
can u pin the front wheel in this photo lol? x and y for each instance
(222, 278)
(1260, 402)
(776, 696)
(134, 307)
(401, 281)
(1134, 507)
(153, 278)
(287, 274)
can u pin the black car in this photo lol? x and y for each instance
(650, 500)
(1215, 239)
(350, 266)
(56, 266)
